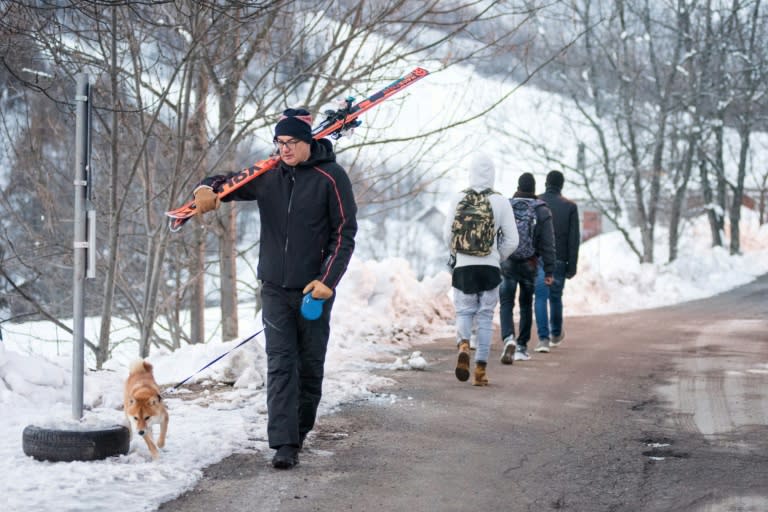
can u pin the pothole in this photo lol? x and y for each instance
(661, 449)
(656, 442)
(640, 406)
(332, 436)
(665, 453)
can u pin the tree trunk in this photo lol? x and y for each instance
(709, 197)
(199, 140)
(678, 200)
(197, 289)
(114, 219)
(738, 189)
(227, 96)
(722, 183)
(228, 259)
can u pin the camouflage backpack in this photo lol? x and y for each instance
(473, 228)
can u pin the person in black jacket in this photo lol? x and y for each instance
(520, 270)
(308, 227)
(549, 299)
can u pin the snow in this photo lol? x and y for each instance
(381, 312)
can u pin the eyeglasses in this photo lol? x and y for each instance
(281, 144)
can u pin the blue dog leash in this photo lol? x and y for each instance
(311, 309)
(246, 340)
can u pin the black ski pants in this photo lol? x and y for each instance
(295, 359)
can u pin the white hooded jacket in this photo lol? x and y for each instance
(482, 175)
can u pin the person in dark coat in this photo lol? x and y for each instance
(522, 272)
(308, 226)
(549, 298)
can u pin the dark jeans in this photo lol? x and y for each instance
(549, 302)
(295, 360)
(514, 274)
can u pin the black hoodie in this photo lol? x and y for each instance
(308, 219)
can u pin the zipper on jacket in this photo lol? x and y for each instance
(292, 175)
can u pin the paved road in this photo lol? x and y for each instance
(663, 410)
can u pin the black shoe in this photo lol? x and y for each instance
(286, 457)
(302, 437)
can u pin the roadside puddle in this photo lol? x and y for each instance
(721, 387)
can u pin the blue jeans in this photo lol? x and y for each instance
(550, 298)
(476, 308)
(514, 274)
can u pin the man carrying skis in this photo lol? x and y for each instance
(308, 226)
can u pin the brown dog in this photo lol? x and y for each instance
(143, 405)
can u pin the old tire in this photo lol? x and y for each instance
(88, 443)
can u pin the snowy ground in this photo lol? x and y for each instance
(380, 313)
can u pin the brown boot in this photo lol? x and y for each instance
(479, 378)
(462, 364)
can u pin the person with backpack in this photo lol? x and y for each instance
(481, 233)
(565, 216)
(536, 242)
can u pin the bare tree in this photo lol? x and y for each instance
(750, 64)
(157, 69)
(659, 85)
(692, 66)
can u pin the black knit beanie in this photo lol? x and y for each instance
(297, 123)
(526, 183)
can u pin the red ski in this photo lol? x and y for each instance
(334, 125)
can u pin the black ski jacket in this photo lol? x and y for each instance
(308, 219)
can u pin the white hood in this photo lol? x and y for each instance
(482, 173)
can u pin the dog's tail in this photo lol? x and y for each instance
(140, 366)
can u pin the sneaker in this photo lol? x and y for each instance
(543, 345)
(507, 356)
(462, 362)
(521, 354)
(286, 457)
(557, 340)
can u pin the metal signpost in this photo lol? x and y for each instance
(84, 239)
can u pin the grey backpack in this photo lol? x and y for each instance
(525, 218)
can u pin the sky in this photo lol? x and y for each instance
(399, 313)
